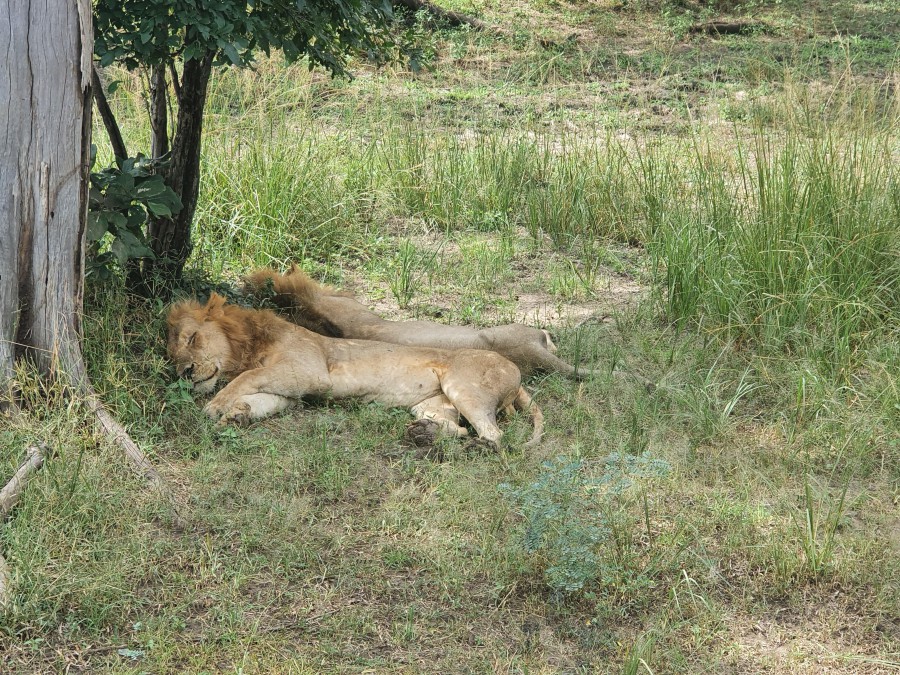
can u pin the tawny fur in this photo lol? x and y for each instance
(298, 294)
(269, 362)
(331, 312)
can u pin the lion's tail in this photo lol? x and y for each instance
(296, 294)
(525, 402)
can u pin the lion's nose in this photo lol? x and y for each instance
(187, 372)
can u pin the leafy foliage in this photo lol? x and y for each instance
(152, 32)
(121, 199)
(567, 513)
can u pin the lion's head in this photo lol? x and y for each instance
(199, 344)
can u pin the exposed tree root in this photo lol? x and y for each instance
(120, 437)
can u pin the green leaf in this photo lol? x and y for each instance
(150, 188)
(231, 53)
(132, 654)
(159, 209)
(133, 247)
(136, 218)
(95, 197)
(120, 250)
(96, 226)
(116, 221)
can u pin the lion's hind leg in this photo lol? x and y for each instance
(478, 384)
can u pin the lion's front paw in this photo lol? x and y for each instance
(214, 410)
(219, 408)
(239, 414)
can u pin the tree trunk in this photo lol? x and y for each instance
(44, 164)
(44, 157)
(171, 237)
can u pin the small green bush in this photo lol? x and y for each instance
(568, 514)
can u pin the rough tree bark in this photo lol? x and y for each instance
(44, 164)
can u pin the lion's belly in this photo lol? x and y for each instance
(384, 378)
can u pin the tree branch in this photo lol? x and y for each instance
(106, 114)
(159, 112)
(728, 27)
(176, 83)
(9, 495)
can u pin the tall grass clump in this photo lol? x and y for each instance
(279, 194)
(550, 185)
(456, 182)
(792, 245)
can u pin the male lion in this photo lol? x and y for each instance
(328, 311)
(270, 362)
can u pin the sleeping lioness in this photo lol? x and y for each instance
(331, 312)
(271, 362)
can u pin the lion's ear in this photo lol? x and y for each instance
(293, 269)
(215, 306)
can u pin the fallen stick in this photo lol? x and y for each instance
(9, 497)
(448, 15)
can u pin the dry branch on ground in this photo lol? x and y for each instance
(9, 497)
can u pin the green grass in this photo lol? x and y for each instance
(719, 215)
